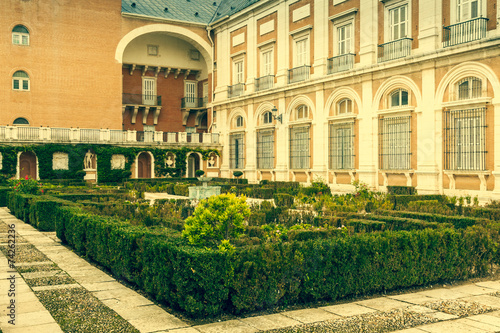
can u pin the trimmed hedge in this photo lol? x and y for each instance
(203, 282)
(459, 222)
(4, 193)
(283, 200)
(401, 201)
(401, 190)
(42, 211)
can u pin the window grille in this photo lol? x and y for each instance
(394, 146)
(465, 139)
(341, 146)
(236, 149)
(265, 149)
(299, 147)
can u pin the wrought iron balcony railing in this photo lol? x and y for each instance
(139, 99)
(396, 49)
(264, 82)
(193, 102)
(235, 90)
(299, 74)
(464, 32)
(341, 63)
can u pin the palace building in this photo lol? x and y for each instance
(386, 92)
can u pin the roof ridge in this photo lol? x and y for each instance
(215, 13)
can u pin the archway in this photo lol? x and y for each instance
(144, 165)
(193, 165)
(27, 165)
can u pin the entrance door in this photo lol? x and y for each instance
(144, 166)
(27, 165)
(149, 91)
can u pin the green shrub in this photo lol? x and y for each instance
(430, 206)
(401, 201)
(216, 219)
(283, 200)
(361, 225)
(43, 211)
(181, 189)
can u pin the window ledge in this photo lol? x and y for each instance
(396, 111)
(351, 117)
(467, 102)
(468, 172)
(400, 171)
(300, 122)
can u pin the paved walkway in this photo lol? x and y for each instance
(143, 314)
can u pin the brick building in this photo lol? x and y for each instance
(396, 92)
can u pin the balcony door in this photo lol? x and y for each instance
(148, 91)
(190, 93)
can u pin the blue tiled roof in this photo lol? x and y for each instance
(230, 7)
(196, 11)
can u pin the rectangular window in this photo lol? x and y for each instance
(341, 146)
(265, 149)
(301, 52)
(299, 147)
(395, 139)
(267, 62)
(238, 72)
(465, 139)
(468, 10)
(236, 151)
(345, 39)
(16, 84)
(398, 22)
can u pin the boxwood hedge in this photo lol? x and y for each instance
(203, 282)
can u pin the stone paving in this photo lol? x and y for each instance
(144, 315)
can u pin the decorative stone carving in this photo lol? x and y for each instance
(170, 160)
(60, 161)
(117, 162)
(212, 161)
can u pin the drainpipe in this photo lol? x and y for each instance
(212, 97)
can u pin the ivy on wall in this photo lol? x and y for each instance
(76, 154)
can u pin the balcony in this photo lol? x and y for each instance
(464, 32)
(235, 90)
(341, 63)
(396, 49)
(299, 74)
(264, 82)
(140, 99)
(194, 102)
(103, 136)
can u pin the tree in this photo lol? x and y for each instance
(216, 220)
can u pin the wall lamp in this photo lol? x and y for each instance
(275, 115)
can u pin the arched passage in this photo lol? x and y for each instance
(27, 165)
(193, 164)
(144, 164)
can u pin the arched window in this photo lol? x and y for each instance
(239, 121)
(469, 88)
(20, 81)
(20, 35)
(344, 106)
(21, 121)
(267, 117)
(302, 112)
(398, 98)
